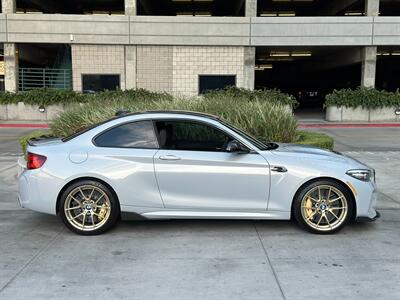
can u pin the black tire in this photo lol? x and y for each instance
(109, 198)
(326, 213)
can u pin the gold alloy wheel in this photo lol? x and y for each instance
(324, 208)
(87, 207)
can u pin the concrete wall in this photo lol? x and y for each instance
(386, 31)
(359, 114)
(22, 111)
(224, 31)
(173, 69)
(190, 62)
(53, 28)
(97, 59)
(154, 68)
(307, 31)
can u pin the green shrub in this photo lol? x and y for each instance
(365, 97)
(303, 137)
(315, 139)
(263, 119)
(47, 97)
(42, 97)
(241, 94)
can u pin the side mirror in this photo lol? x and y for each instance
(235, 146)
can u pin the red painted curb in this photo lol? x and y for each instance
(24, 126)
(373, 125)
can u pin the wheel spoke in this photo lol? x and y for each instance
(76, 200)
(91, 194)
(83, 221)
(333, 214)
(77, 216)
(308, 207)
(96, 214)
(336, 199)
(80, 190)
(311, 216)
(102, 207)
(97, 201)
(72, 208)
(319, 221)
(329, 194)
(319, 193)
(312, 199)
(343, 207)
(93, 220)
(326, 218)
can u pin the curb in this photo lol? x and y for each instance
(24, 125)
(350, 125)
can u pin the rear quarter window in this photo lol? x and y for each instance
(139, 134)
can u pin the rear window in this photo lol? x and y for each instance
(139, 134)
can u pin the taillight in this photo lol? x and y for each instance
(35, 161)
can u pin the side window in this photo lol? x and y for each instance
(182, 135)
(130, 135)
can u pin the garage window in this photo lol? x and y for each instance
(215, 82)
(100, 82)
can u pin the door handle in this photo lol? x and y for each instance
(279, 169)
(169, 157)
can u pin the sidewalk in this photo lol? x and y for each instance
(22, 124)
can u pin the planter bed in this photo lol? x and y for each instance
(359, 114)
(25, 112)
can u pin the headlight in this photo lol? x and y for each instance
(362, 174)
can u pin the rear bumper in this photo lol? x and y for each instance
(37, 190)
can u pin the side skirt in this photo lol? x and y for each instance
(148, 213)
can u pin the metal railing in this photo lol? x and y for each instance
(31, 78)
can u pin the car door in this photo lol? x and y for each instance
(124, 155)
(194, 171)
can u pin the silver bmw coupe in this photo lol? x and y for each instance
(176, 164)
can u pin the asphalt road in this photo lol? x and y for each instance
(191, 259)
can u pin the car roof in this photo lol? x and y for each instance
(178, 112)
(152, 112)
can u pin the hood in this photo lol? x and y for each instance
(313, 153)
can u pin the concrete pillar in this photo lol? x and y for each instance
(130, 7)
(251, 8)
(249, 65)
(130, 67)
(372, 8)
(8, 6)
(10, 67)
(368, 70)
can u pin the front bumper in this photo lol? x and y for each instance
(369, 219)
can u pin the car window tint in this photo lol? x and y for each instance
(130, 135)
(182, 135)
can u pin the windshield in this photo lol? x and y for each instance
(255, 142)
